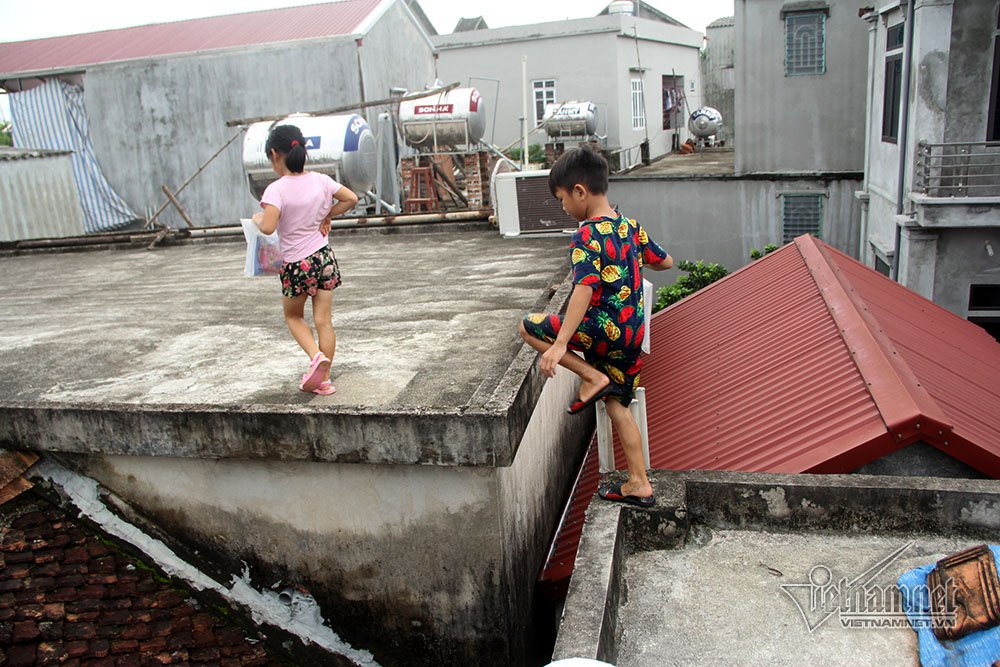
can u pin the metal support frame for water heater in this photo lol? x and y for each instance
(421, 150)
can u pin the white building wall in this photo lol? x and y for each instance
(593, 64)
(580, 65)
(654, 60)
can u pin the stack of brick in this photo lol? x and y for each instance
(69, 597)
(477, 178)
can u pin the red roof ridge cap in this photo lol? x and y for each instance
(907, 409)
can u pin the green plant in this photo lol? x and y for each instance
(699, 275)
(757, 254)
(6, 136)
(536, 153)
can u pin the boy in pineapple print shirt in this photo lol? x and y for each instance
(605, 316)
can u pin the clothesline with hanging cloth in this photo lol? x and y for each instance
(52, 116)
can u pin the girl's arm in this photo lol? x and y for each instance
(268, 221)
(346, 200)
(579, 302)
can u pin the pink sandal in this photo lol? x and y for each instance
(319, 368)
(325, 388)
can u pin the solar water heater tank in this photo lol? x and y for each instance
(343, 147)
(444, 120)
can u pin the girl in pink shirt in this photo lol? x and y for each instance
(300, 205)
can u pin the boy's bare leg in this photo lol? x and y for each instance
(294, 309)
(591, 379)
(631, 439)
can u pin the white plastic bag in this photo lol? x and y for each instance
(263, 252)
(648, 299)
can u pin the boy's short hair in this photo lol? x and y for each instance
(580, 165)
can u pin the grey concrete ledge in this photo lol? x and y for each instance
(756, 176)
(175, 353)
(861, 504)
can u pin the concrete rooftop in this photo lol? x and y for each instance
(715, 572)
(175, 352)
(719, 162)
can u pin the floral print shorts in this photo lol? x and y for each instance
(617, 357)
(317, 271)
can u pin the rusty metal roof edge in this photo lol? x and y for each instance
(894, 388)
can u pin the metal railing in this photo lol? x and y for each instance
(967, 169)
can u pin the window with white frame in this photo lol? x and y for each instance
(638, 105)
(893, 82)
(805, 43)
(801, 214)
(544, 92)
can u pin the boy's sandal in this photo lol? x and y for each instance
(614, 494)
(578, 405)
(319, 368)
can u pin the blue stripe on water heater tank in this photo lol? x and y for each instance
(352, 137)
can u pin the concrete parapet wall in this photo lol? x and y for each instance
(690, 501)
(418, 564)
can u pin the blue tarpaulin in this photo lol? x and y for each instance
(53, 116)
(978, 649)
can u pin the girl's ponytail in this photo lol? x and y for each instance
(296, 158)
(288, 140)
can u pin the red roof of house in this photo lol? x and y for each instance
(75, 52)
(806, 361)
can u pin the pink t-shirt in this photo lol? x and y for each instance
(302, 200)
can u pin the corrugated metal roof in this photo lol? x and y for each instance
(806, 361)
(724, 22)
(75, 52)
(8, 153)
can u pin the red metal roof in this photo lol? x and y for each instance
(806, 361)
(75, 52)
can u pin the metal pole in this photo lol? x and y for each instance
(638, 410)
(904, 121)
(524, 111)
(149, 223)
(605, 443)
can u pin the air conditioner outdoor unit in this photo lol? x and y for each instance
(525, 205)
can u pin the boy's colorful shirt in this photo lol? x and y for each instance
(608, 255)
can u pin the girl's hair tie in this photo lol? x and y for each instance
(295, 142)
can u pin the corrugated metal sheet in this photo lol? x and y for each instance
(53, 116)
(74, 52)
(38, 197)
(955, 361)
(800, 362)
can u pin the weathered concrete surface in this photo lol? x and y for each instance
(420, 564)
(416, 504)
(174, 353)
(698, 579)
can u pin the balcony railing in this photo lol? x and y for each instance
(958, 169)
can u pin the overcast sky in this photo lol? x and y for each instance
(49, 18)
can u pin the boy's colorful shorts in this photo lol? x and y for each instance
(317, 271)
(616, 358)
